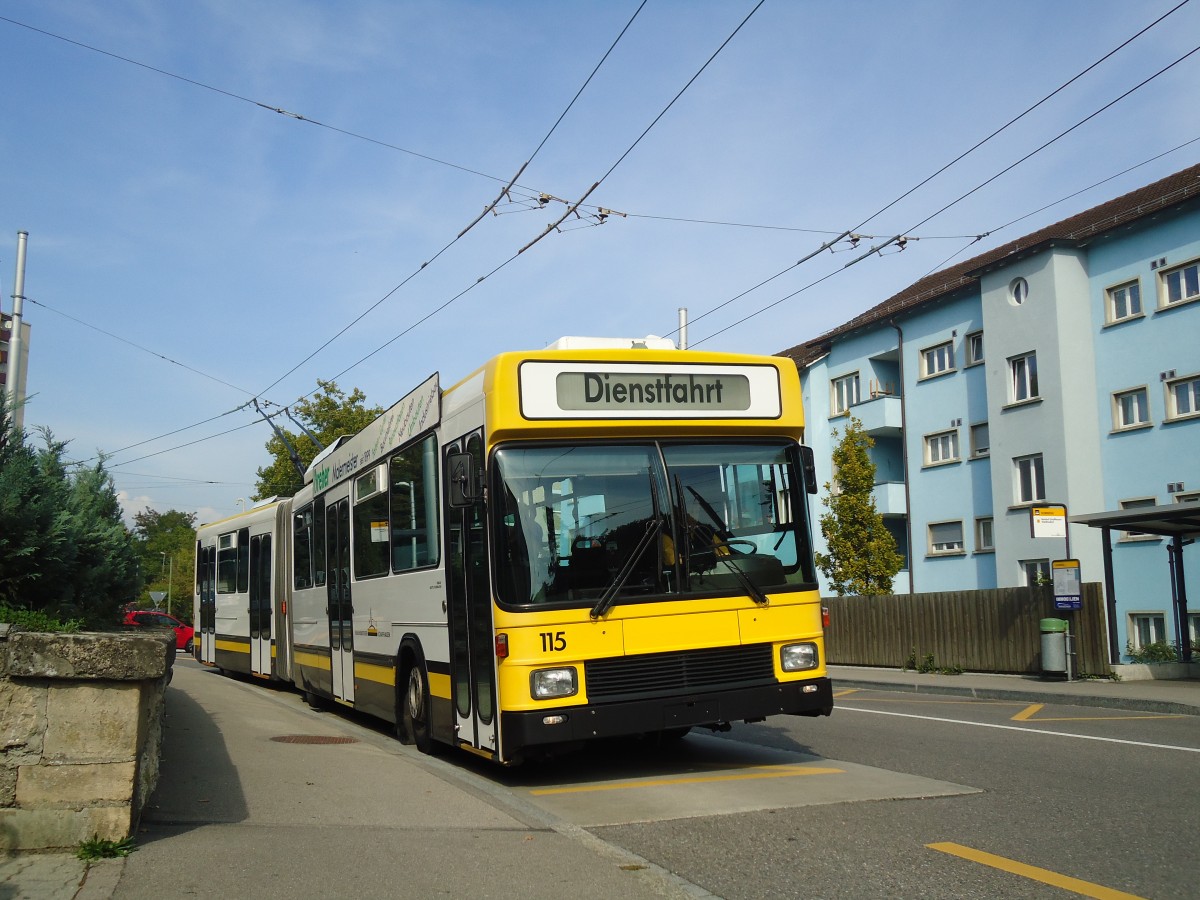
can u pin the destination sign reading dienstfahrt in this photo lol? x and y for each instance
(581, 390)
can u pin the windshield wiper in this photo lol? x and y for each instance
(653, 528)
(724, 534)
(755, 592)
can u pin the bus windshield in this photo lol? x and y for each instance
(648, 521)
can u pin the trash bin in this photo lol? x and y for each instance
(1054, 646)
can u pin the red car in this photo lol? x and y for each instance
(155, 619)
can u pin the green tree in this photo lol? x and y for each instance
(167, 546)
(64, 548)
(862, 557)
(328, 414)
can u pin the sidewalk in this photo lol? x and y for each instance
(261, 796)
(240, 812)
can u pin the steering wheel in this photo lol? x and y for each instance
(732, 542)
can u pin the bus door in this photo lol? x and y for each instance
(206, 562)
(341, 612)
(260, 604)
(473, 653)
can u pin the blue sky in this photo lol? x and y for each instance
(228, 242)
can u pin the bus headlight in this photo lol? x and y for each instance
(798, 657)
(545, 684)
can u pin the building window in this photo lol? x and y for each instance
(941, 448)
(1194, 629)
(974, 348)
(1030, 478)
(1138, 503)
(1023, 385)
(843, 394)
(985, 539)
(1183, 397)
(1188, 497)
(1146, 628)
(1130, 409)
(1018, 291)
(1124, 302)
(1181, 285)
(980, 445)
(1035, 571)
(945, 537)
(937, 360)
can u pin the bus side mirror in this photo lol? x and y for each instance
(464, 480)
(809, 465)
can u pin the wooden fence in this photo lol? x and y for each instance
(977, 631)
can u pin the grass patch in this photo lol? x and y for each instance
(102, 848)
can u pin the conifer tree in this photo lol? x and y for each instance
(862, 557)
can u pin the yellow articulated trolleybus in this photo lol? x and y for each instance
(603, 538)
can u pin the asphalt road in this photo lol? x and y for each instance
(1107, 798)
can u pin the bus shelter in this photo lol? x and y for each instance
(1180, 523)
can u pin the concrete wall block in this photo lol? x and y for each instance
(44, 829)
(22, 718)
(75, 787)
(92, 722)
(8, 787)
(114, 657)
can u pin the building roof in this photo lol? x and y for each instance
(1166, 194)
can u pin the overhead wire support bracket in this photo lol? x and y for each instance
(553, 225)
(491, 206)
(283, 112)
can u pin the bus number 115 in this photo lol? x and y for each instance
(553, 640)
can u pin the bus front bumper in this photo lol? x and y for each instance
(813, 697)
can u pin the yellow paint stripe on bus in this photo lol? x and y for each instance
(312, 660)
(378, 674)
(1034, 873)
(762, 772)
(439, 686)
(233, 647)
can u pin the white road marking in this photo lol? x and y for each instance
(1082, 737)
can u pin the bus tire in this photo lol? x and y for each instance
(415, 708)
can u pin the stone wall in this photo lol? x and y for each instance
(80, 733)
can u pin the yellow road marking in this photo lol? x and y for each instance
(772, 772)
(1023, 715)
(845, 692)
(1028, 713)
(1045, 876)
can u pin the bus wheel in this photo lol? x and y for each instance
(416, 708)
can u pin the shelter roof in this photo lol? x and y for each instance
(1172, 520)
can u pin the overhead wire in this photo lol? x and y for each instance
(1054, 203)
(960, 198)
(477, 219)
(155, 353)
(425, 264)
(551, 227)
(512, 258)
(853, 230)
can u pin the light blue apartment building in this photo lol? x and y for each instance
(1061, 368)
